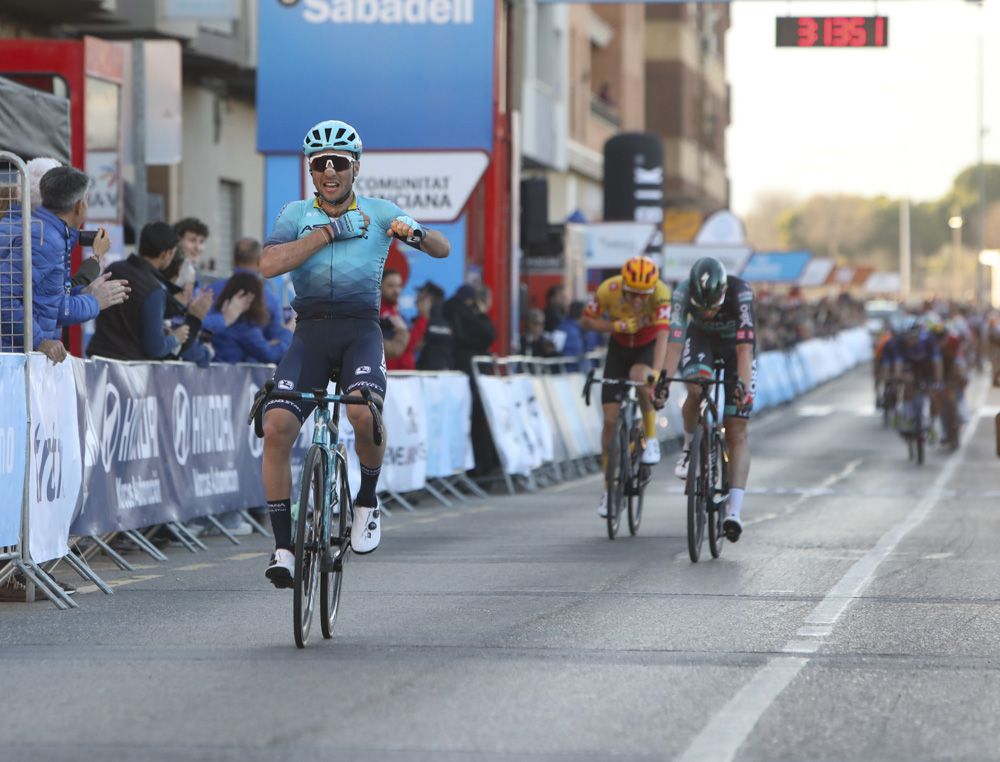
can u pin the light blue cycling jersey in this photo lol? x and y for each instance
(344, 278)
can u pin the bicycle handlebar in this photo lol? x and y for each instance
(319, 396)
(591, 381)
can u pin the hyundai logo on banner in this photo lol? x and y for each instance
(408, 74)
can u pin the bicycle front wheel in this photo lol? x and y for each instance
(697, 492)
(640, 476)
(340, 549)
(616, 475)
(308, 527)
(719, 484)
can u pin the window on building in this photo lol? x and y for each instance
(228, 226)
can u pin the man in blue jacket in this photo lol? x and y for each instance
(55, 230)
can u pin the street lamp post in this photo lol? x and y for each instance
(955, 223)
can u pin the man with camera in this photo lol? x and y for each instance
(54, 233)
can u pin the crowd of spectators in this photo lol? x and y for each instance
(784, 320)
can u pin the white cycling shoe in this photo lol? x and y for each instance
(681, 469)
(281, 571)
(732, 527)
(651, 453)
(602, 507)
(366, 529)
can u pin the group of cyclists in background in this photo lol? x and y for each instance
(922, 366)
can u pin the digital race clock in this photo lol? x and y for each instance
(833, 32)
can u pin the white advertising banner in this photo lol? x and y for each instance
(447, 402)
(404, 468)
(610, 244)
(536, 423)
(433, 186)
(56, 464)
(13, 432)
(678, 258)
(500, 400)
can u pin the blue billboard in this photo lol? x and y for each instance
(407, 74)
(776, 266)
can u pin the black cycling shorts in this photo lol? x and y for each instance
(618, 364)
(698, 357)
(351, 346)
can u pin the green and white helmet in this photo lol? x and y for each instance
(332, 135)
(707, 284)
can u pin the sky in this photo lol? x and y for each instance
(900, 121)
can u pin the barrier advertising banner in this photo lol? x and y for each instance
(13, 432)
(164, 445)
(56, 470)
(405, 465)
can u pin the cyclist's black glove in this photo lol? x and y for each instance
(662, 391)
(743, 397)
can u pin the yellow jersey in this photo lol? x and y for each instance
(609, 302)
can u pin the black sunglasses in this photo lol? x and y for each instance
(339, 163)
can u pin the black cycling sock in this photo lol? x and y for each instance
(369, 480)
(280, 512)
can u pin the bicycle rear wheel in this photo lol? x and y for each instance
(717, 509)
(697, 493)
(640, 477)
(616, 476)
(340, 549)
(308, 528)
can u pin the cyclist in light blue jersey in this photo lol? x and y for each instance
(334, 246)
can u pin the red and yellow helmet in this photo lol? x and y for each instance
(639, 275)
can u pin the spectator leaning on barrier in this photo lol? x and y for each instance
(435, 351)
(191, 234)
(197, 348)
(246, 259)
(535, 341)
(245, 340)
(55, 301)
(395, 333)
(556, 307)
(90, 268)
(474, 334)
(134, 330)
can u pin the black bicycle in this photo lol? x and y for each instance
(707, 486)
(916, 424)
(626, 474)
(324, 492)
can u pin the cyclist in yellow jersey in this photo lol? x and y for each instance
(634, 308)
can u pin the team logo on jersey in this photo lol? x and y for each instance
(746, 321)
(612, 286)
(285, 384)
(663, 313)
(362, 370)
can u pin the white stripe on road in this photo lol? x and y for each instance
(726, 732)
(729, 728)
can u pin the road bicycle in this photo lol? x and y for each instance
(707, 486)
(325, 495)
(626, 475)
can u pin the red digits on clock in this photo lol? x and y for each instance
(808, 32)
(880, 31)
(859, 35)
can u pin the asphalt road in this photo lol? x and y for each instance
(856, 619)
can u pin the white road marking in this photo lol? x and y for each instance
(195, 567)
(730, 727)
(814, 411)
(245, 556)
(726, 732)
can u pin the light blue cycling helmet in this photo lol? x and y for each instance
(332, 135)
